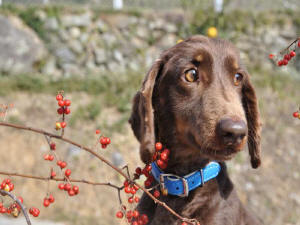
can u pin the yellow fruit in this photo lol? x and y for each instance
(212, 32)
(164, 191)
(180, 40)
(15, 212)
(57, 126)
(6, 188)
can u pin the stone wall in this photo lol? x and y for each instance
(81, 42)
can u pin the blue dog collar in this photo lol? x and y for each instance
(181, 186)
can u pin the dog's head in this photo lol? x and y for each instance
(198, 96)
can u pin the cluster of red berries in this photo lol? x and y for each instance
(161, 156)
(34, 211)
(297, 114)
(7, 185)
(287, 57)
(63, 110)
(48, 200)
(14, 209)
(133, 216)
(72, 190)
(104, 141)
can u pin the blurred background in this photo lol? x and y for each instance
(98, 52)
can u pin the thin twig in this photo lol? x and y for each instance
(19, 203)
(40, 131)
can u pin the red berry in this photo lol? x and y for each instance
(2, 210)
(63, 124)
(67, 110)
(103, 146)
(51, 198)
(76, 189)
(68, 172)
(147, 183)
(287, 57)
(11, 186)
(136, 199)
(136, 213)
(292, 53)
(144, 218)
(148, 167)
(129, 214)
(127, 189)
(51, 157)
(63, 164)
(184, 223)
(67, 102)
(97, 131)
(102, 141)
(8, 181)
(46, 157)
(59, 97)
(67, 187)
(156, 193)
(132, 191)
(58, 162)
(138, 170)
(46, 202)
(71, 192)
(130, 200)
(60, 110)
(36, 212)
(164, 156)
(296, 114)
(119, 214)
(61, 103)
(285, 62)
(158, 146)
(299, 43)
(135, 223)
(280, 63)
(126, 183)
(135, 187)
(61, 186)
(107, 140)
(20, 199)
(53, 174)
(271, 56)
(161, 164)
(52, 146)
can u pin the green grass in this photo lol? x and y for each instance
(116, 89)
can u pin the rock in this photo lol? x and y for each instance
(167, 41)
(74, 32)
(118, 56)
(51, 24)
(170, 28)
(102, 27)
(76, 46)
(65, 55)
(142, 32)
(82, 20)
(71, 70)
(100, 56)
(20, 46)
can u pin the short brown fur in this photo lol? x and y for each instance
(184, 116)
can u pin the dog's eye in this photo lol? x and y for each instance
(237, 79)
(191, 75)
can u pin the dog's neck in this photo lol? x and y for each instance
(182, 163)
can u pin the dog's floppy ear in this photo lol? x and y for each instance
(254, 127)
(142, 117)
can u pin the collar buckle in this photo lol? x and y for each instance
(172, 176)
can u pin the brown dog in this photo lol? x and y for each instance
(198, 101)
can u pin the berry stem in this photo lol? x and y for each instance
(19, 203)
(287, 48)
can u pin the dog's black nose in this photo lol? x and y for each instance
(231, 132)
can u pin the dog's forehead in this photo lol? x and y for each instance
(199, 49)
